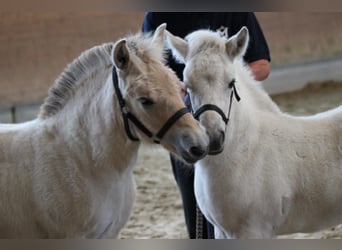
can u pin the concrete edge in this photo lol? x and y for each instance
(290, 78)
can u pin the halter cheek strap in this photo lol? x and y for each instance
(128, 116)
(232, 86)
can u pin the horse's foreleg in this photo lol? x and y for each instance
(221, 234)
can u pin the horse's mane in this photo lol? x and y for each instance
(98, 57)
(202, 40)
(74, 74)
(253, 89)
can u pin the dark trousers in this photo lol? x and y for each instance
(184, 175)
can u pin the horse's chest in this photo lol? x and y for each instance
(215, 190)
(112, 210)
(211, 188)
(211, 177)
(107, 222)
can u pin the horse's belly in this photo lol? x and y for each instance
(303, 220)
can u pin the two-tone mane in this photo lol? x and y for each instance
(96, 58)
(88, 63)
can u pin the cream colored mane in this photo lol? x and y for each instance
(204, 40)
(88, 64)
(74, 74)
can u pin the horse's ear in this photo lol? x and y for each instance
(237, 44)
(120, 54)
(158, 36)
(178, 46)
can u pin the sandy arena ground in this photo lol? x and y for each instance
(158, 209)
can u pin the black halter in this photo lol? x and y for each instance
(207, 107)
(126, 115)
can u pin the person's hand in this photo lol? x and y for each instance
(260, 69)
(183, 90)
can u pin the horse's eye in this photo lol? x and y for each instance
(146, 101)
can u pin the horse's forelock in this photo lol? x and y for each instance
(141, 45)
(202, 40)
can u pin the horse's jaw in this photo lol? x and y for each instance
(216, 152)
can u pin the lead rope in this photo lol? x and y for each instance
(199, 223)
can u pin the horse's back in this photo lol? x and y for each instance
(328, 123)
(16, 127)
(14, 136)
(334, 114)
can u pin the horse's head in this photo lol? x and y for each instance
(152, 101)
(210, 77)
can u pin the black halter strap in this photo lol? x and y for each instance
(128, 116)
(213, 107)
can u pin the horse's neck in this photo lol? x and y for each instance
(255, 103)
(92, 126)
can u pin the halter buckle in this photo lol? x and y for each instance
(124, 110)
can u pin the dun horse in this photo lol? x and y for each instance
(69, 173)
(267, 172)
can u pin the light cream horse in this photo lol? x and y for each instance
(267, 172)
(68, 173)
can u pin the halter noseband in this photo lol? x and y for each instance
(213, 107)
(128, 116)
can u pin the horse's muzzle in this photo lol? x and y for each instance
(216, 144)
(194, 154)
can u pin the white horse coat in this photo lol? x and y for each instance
(277, 173)
(69, 173)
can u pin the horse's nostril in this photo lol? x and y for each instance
(217, 143)
(222, 136)
(197, 151)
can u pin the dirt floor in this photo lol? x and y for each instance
(158, 210)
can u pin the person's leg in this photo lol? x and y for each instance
(184, 175)
(210, 230)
